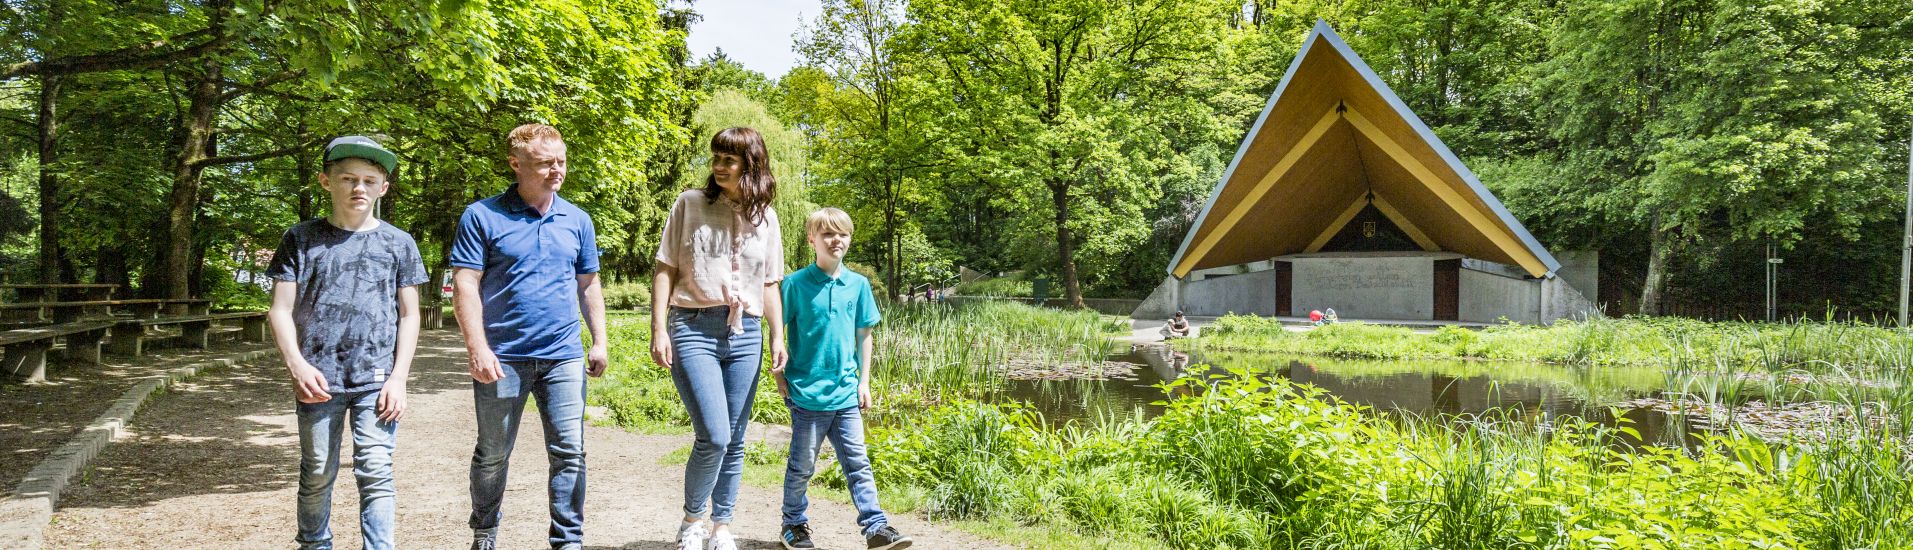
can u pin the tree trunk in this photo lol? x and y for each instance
(111, 269)
(892, 273)
(53, 268)
(1658, 250)
(303, 171)
(1065, 249)
(204, 91)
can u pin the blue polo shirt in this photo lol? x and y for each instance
(530, 265)
(821, 318)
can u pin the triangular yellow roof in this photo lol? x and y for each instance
(1332, 134)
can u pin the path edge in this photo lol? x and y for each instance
(24, 516)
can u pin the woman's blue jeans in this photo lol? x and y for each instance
(716, 375)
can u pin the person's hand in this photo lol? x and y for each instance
(484, 366)
(660, 349)
(597, 360)
(780, 355)
(308, 384)
(783, 386)
(864, 400)
(392, 401)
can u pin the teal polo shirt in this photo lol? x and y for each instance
(821, 318)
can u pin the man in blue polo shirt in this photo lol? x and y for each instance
(524, 260)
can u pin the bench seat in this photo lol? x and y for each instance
(26, 348)
(130, 335)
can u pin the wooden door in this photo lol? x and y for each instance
(1448, 290)
(1284, 281)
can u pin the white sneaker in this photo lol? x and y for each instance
(693, 534)
(724, 540)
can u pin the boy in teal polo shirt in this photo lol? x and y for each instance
(828, 313)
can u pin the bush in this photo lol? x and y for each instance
(627, 295)
(876, 281)
(1009, 287)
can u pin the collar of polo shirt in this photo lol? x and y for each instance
(516, 204)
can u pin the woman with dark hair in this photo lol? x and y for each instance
(716, 296)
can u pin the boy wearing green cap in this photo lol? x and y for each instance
(345, 318)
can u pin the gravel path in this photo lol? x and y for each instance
(35, 419)
(212, 464)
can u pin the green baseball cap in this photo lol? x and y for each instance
(361, 147)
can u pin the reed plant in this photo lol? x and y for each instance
(1242, 460)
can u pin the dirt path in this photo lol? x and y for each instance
(212, 464)
(35, 419)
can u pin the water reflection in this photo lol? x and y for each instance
(1429, 389)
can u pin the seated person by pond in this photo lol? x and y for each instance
(1177, 327)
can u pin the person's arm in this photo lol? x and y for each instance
(661, 281)
(864, 401)
(790, 320)
(469, 308)
(774, 318)
(392, 395)
(308, 384)
(591, 295)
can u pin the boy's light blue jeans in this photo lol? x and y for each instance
(560, 388)
(716, 375)
(845, 430)
(320, 428)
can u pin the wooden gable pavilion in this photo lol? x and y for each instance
(1333, 144)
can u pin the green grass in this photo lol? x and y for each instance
(1250, 462)
(924, 355)
(1013, 287)
(1808, 345)
(1247, 461)
(1589, 384)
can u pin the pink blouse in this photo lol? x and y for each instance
(720, 258)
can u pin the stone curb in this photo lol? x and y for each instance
(25, 515)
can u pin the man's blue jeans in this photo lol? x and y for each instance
(845, 430)
(560, 389)
(320, 428)
(716, 375)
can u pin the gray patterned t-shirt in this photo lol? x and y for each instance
(347, 310)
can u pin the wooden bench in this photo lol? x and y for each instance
(129, 335)
(141, 308)
(52, 292)
(26, 349)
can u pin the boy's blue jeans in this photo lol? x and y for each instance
(716, 375)
(560, 388)
(320, 428)
(845, 430)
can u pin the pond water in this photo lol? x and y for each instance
(1425, 388)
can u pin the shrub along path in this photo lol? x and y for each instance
(213, 464)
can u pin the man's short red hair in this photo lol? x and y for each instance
(526, 134)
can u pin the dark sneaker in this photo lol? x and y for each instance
(797, 536)
(887, 538)
(484, 543)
